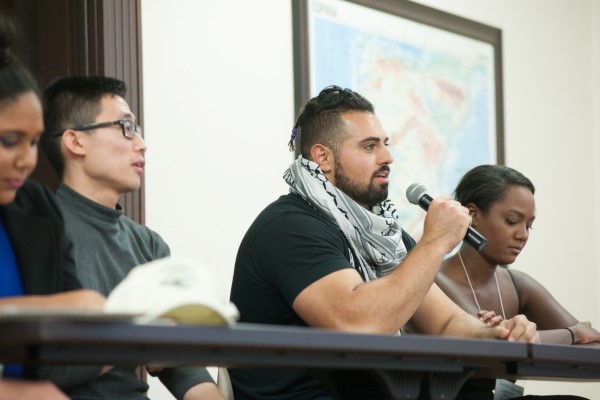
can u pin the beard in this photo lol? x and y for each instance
(365, 195)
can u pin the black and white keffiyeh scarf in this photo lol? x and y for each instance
(375, 236)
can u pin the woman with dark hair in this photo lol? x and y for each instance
(501, 203)
(35, 255)
(502, 206)
(36, 266)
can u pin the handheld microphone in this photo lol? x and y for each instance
(417, 194)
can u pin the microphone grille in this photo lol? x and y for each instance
(414, 192)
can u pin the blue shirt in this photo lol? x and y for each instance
(10, 279)
(10, 285)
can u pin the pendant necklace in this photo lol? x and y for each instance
(473, 290)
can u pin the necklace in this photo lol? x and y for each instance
(473, 290)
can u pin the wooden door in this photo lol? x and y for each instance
(58, 38)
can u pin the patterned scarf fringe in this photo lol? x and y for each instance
(374, 236)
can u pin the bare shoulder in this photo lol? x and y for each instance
(520, 278)
(530, 291)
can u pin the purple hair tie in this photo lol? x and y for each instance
(295, 132)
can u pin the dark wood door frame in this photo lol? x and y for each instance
(82, 37)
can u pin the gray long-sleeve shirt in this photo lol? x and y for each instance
(107, 245)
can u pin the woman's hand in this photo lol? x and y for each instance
(584, 333)
(489, 317)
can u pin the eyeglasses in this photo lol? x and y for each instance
(128, 127)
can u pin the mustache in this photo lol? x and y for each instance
(384, 168)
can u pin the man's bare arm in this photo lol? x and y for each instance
(343, 301)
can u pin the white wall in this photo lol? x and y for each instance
(552, 136)
(595, 17)
(218, 101)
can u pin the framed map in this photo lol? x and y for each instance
(435, 80)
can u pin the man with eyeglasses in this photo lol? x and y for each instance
(92, 140)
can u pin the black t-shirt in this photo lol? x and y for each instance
(287, 248)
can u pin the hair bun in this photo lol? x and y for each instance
(6, 41)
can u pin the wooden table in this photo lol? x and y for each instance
(399, 367)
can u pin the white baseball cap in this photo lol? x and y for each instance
(172, 288)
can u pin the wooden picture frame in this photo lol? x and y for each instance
(435, 80)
